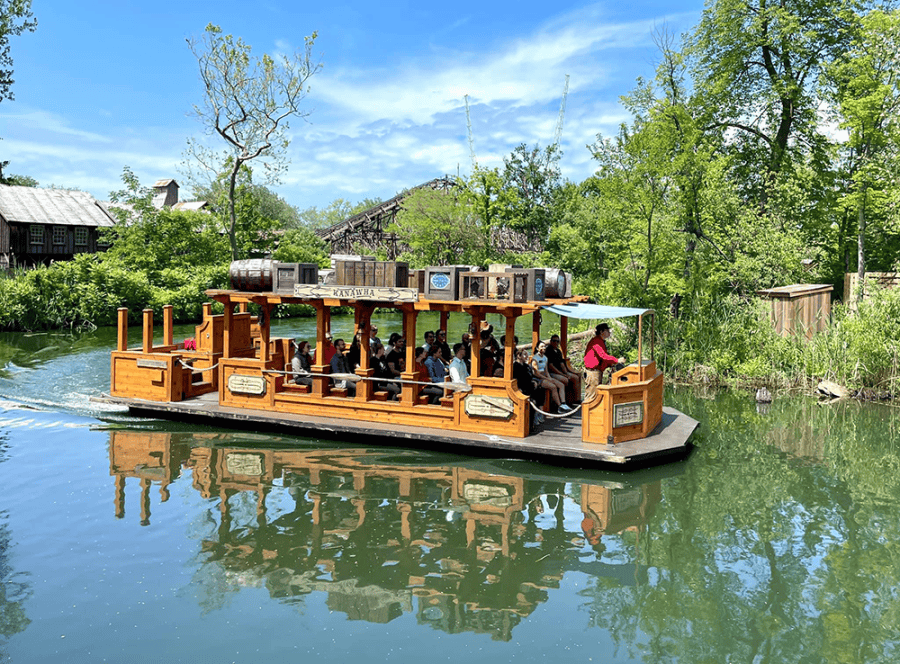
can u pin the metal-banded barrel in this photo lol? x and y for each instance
(252, 274)
(556, 283)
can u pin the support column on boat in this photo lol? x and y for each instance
(122, 340)
(477, 317)
(265, 316)
(362, 314)
(409, 393)
(320, 381)
(147, 341)
(535, 331)
(509, 349)
(227, 326)
(168, 319)
(443, 326)
(564, 336)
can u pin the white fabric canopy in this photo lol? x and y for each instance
(594, 311)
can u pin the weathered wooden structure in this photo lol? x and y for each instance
(881, 279)
(235, 372)
(42, 225)
(368, 229)
(801, 309)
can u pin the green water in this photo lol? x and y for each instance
(132, 540)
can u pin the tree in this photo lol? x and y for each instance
(866, 88)
(248, 103)
(440, 228)
(534, 176)
(15, 18)
(755, 65)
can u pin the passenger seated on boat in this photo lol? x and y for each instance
(527, 383)
(466, 340)
(500, 361)
(446, 354)
(379, 364)
(301, 362)
(354, 352)
(396, 356)
(557, 387)
(339, 366)
(432, 392)
(429, 340)
(328, 350)
(373, 335)
(437, 371)
(458, 371)
(559, 370)
(486, 350)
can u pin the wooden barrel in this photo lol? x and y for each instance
(555, 282)
(252, 274)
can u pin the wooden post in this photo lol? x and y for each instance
(207, 310)
(122, 340)
(564, 335)
(226, 331)
(168, 319)
(535, 330)
(320, 381)
(476, 342)
(147, 345)
(443, 325)
(264, 333)
(640, 338)
(408, 393)
(509, 351)
(242, 307)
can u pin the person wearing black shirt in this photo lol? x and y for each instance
(396, 357)
(380, 365)
(559, 369)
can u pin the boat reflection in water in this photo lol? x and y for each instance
(466, 545)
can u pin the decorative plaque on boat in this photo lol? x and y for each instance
(374, 293)
(479, 405)
(625, 414)
(240, 384)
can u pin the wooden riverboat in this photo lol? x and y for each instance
(234, 372)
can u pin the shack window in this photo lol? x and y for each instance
(59, 235)
(36, 232)
(81, 236)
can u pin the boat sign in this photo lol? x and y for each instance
(240, 384)
(625, 414)
(479, 405)
(374, 293)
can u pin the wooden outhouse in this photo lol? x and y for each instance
(799, 309)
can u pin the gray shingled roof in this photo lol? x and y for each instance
(30, 205)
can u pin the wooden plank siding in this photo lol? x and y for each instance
(20, 244)
(801, 309)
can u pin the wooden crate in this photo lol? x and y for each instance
(494, 286)
(801, 309)
(288, 274)
(392, 274)
(442, 283)
(536, 282)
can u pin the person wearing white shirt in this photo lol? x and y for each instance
(459, 373)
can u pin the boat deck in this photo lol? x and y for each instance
(557, 437)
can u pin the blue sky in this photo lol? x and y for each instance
(102, 85)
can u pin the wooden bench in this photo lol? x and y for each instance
(338, 392)
(380, 395)
(293, 387)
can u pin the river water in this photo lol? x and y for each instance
(125, 539)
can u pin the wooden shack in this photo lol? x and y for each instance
(801, 309)
(880, 279)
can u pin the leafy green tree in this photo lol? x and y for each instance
(248, 103)
(866, 88)
(755, 65)
(533, 174)
(15, 18)
(439, 228)
(335, 212)
(301, 245)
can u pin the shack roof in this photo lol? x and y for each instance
(60, 207)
